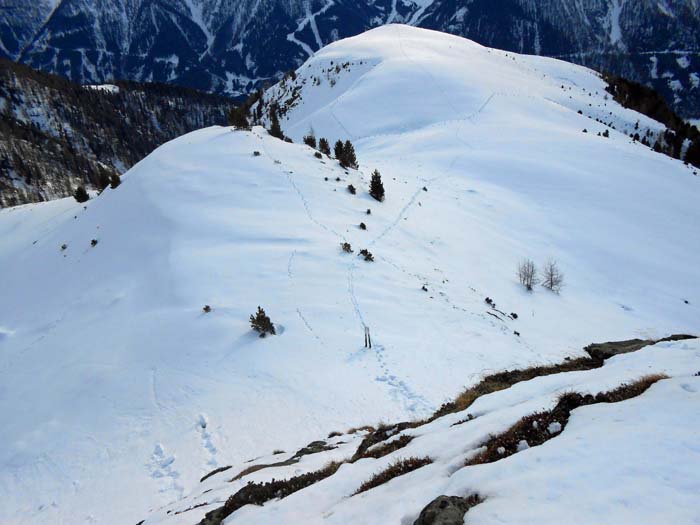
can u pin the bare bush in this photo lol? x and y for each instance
(553, 278)
(527, 274)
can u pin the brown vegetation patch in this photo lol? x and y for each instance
(260, 493)
(382, 433)
(396, 469)
(537, 428)
(215, 471)
(384, 449)
(502, 380)
(312, 448)
(597, 352)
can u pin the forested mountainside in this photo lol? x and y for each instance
(57, 135)
(233, 46)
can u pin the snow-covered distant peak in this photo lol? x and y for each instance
(399, 78)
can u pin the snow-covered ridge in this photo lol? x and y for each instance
(484, 162)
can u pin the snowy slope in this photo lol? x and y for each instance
(629, 462)
(119, 393)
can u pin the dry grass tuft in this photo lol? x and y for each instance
(396, 469)
(260, 493)
(384, 449)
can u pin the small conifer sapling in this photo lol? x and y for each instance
(261, 323)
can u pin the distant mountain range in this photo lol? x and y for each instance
(233, 46)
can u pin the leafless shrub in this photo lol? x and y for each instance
(527, 274)
(553, 278)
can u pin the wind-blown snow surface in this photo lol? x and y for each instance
(118, 391)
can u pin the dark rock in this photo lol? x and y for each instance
(447, 510)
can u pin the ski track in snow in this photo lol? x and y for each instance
(302, 197)
(290, 274)
(402, 392)
(401, 389)
(154, 389)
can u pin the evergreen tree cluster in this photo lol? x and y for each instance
(310, 140)
(649, 102)
(322, 145)
(345, 154)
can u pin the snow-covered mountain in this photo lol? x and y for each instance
(232, 46)
(119, 392)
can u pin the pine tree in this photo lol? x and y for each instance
(261, 323)
(324, 147)
(81, 195)
(102, 180)
(338, 151)
(376, 188)
(238, 117)
(275, 128)
(115, 181)
(310, 139)
(349, 158)
(692, 156)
